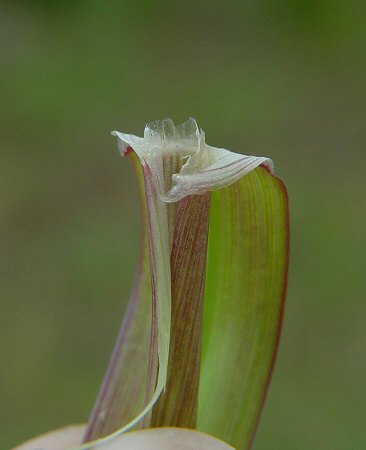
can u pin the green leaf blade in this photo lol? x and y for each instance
(245, 290)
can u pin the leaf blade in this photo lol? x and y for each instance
(119, 376)
(123, 392)
(245, 288)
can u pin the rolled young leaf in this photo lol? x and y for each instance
(246, 275)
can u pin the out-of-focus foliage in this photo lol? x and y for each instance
(283, 79)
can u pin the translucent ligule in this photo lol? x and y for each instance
(202, 168)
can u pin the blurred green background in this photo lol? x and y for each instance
(280, 78)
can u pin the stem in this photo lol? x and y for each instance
(178, 405)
